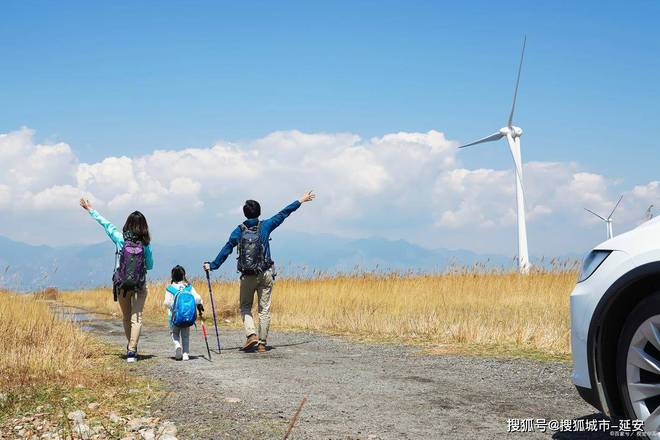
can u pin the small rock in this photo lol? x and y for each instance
(167, 428)
(77, 416)
(148, 434)
(3, 398)
(93, 406)
(114, 418)
(232, 399)
(82, 430)
(138, 423)
(21, 433)
(80, 386)
(18, 427)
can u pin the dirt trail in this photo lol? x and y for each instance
(356, 390)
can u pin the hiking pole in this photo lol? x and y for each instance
(215, 322)
(206, 339)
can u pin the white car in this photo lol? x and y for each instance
(615, 327)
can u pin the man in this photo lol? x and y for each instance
(256, 267)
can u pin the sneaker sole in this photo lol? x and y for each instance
(131, 360)
(178, 355)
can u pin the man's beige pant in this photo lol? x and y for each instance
(131, 308)
(263, 285)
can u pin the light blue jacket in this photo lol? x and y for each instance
(117, 238)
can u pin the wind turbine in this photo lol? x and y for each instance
(608, 220)
(512, 135)
(649, 213)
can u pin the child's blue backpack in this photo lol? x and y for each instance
(184, 311)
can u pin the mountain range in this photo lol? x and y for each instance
(25, 267)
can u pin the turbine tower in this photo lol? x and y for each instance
(512, 135)
(608, 221)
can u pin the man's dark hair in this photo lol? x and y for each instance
(136, 225)
(252, 209)
(178, 274)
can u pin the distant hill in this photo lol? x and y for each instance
(25, 267)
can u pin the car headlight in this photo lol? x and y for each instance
(591, 263)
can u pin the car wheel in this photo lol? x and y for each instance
(638, 364)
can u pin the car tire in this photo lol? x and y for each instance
(639, 345)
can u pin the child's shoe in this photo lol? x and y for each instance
(186, 357)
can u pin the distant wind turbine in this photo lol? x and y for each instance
(608, 220)
(512, 135)
(649, 213)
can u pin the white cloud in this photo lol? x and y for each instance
(5, 195)
(400, 185)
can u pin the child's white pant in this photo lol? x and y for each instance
(181, 337)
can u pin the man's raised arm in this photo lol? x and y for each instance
(225, 251)
(279, 218)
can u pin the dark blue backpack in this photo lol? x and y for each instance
(184, 311)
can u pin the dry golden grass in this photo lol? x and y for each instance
(36, 347)
(467, 310)
(53, 364)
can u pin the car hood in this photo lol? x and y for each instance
(644, 237)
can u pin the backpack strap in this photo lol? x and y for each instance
(244, 228)
(173, 290)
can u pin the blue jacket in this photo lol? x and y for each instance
(267, 226)
(117, 238)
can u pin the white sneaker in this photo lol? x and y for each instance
(186, 357)
(177, 353)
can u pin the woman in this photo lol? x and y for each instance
(131, 301)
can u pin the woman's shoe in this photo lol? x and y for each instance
(186, 357)
(178, 353)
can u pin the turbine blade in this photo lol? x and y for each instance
(617, 205)
(515, 92)
(589, 210)
(493, 137)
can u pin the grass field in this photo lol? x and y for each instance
(472, 310)
(50, 367)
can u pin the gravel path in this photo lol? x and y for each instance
(356, 390)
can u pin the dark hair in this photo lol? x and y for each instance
(252, 209)
(136, 225)
(178, 274)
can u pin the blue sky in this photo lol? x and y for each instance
(127, 78)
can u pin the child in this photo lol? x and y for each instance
(181, 335)
(131, 301)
